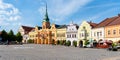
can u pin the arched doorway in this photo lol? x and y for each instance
(80, 43)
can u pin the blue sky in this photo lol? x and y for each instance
(14, 13)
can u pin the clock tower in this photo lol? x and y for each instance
(45, 22)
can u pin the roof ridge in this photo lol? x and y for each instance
(113, 20)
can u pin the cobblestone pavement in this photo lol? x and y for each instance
(49, 52)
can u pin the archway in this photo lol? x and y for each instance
(81, 43)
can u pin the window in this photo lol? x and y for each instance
(114, 31)
(75, 35)
(94, 34)
(100, 33)
(67, 36)
(72, 29)
(70, 36)
(97, 33)
(108, 32)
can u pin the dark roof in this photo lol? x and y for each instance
(60, 26)
(93, 25)
(106, 22)
(27, 29)
(39, 27)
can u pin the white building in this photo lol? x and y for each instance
(71, 33)
(98, 33)
(24, 30)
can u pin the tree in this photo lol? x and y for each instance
(11, 36)
(4, 36)
(19, 37)
(75, 43)
(61, 42)
(68, 43)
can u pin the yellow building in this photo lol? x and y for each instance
(84, 31)
(112, 30)
(61, 32)
(46, 34)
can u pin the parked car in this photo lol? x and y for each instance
(115, 48)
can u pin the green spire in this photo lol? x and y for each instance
(46, 18)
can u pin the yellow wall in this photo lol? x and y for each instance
(88, 28)
(111, 36)
(61, 34)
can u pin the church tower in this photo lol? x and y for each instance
(45, 22)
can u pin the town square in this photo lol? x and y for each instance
(59, 30)
(52, 52)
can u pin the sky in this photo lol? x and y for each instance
(14, 13)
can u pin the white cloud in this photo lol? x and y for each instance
(9, 16)
(63, 9)
(8, 12)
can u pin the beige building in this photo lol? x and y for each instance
(112, 30)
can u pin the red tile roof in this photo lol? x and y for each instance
(27, 29)
(106, 22)
(115, 22)
(93, 24)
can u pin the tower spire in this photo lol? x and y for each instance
(46, 18)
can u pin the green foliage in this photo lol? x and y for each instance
(114, 44)
(68, 43)
(61, 42)
(19, 37)
(30, 41)
(86, 42)
(4, 36)
(75, 43)
(11, 36)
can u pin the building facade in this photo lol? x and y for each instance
(98, 34)
(24, 30)
(61, 32)
(48, 33)
(71, 33)
(85, 31)
(112, 30)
